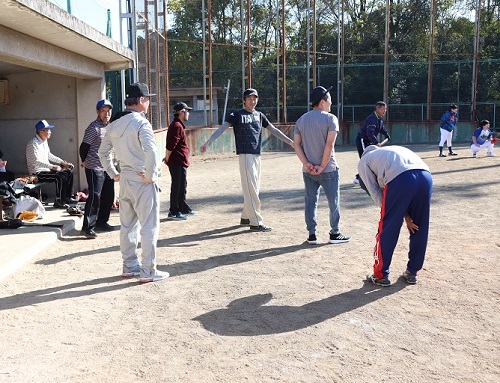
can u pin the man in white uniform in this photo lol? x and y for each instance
(131, 136)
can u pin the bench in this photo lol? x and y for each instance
(36, 186)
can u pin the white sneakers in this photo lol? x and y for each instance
(156, 277)
(355, 181)
(489, 154)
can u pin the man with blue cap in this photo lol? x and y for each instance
(47, 166)
(101, 187)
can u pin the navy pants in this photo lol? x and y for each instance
(361, 144)
(410, 192)
(100, 199)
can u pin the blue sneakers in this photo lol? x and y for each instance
(177, 216)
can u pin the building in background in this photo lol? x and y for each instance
(52, 67)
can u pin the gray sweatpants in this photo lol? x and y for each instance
(139, 215)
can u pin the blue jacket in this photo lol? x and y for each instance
(371, 128)
(448, 121)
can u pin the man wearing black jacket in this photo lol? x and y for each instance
(101, 187)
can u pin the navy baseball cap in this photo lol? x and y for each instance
(103, 103)
(180, 106)
(138, 89)
(318, 93)
(250, 92)
(42, 124)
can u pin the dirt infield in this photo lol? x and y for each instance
(266, 307)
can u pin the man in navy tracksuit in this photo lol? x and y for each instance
(370, 130)
(400, 183)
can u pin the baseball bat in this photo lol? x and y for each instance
(15, 223)
(43, 224)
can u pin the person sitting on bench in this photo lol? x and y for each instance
(48, 167)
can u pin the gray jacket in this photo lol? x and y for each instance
(380, 165)
(132, 139)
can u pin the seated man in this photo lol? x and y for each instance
(48, 167)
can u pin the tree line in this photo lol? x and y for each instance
(364, 23)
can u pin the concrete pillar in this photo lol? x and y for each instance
(88, 92)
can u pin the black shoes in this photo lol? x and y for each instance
(90, 233)
(312, 240)
(452, 154)
(410, 278)
(244, 222)
(442, 155)
(104, 226)
(60, 205)
(339, 238)
(260, 227)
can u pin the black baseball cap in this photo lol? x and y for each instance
(250, 92)
(138, 89)
(180, 106)
(318, 93)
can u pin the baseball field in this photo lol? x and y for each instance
(244, 306)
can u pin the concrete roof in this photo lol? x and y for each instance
(45, 21)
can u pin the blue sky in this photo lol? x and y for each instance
(94, 13)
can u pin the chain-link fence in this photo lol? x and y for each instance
(198, 68)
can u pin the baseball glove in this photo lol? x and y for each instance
(495, 140)
(75, 211)
(28, 216)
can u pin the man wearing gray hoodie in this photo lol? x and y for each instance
(400, 183)
(132, 139)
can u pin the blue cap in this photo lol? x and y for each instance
(102, 103)
(42, 124)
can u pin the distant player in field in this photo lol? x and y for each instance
(448, 122)
(482, 138)
(400, 183)
(369, 132)
(247, 126)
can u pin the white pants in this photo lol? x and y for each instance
(445, 136)
(486, 144)
(250, 184)
(139, 214)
